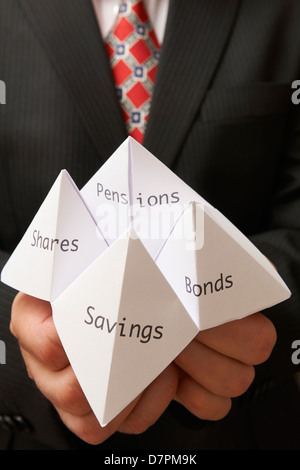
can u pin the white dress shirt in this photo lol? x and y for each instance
(106, 11)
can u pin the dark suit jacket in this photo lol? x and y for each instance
(221, 118)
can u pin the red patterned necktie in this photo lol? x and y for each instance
(133, 51)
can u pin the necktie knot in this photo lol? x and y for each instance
(133, 51)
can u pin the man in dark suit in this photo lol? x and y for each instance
(223, 120)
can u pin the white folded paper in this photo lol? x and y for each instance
(133, 187)
(121, 324)
(60, 242)
(135, 265)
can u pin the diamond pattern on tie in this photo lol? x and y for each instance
(133, 51)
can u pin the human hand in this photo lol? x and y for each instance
(48, 365)
(215, 366)
(218, 364)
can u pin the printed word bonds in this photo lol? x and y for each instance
(209, 287)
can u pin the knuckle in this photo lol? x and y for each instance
(207, 406)
(137, 426)
(47, 354)
(88, 434)
(48, 348)
(70, 396)
(91, 438)
(169, 386)
(239, 382)
(136, 423)
(199, 406)
(262, 342)
(12, 328)
(202, 403)
(28, 365)
(86, 427)
(220, 411)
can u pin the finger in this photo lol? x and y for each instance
(152, 403)
(219, 374)
(64, 391)
(249, 340)
(32, 324)
(200, 402)
(61, 387)
(88, 428)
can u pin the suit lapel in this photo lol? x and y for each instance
(195, 38)
(69, 31)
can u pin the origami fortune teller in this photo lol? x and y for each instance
(134, 265)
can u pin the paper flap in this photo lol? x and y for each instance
(219, 276)
(129, 320)
(107, 194)
(60, 241)
(133, 186)
(158, 197)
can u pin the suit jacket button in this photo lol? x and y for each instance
(21, 423)
(6, 422)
